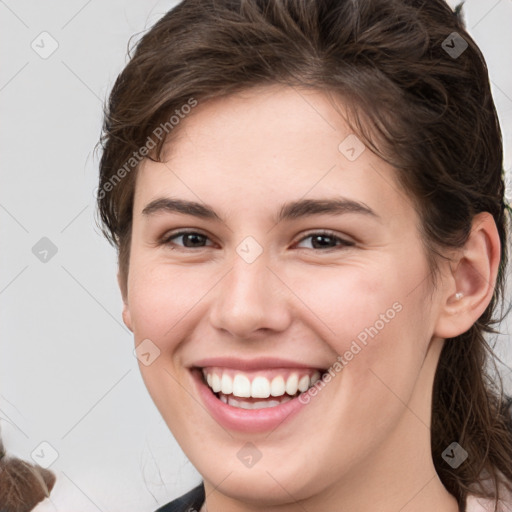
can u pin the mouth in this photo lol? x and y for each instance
(259, 389)
(257, 395)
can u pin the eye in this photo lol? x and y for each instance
(191, 239)
(320, 240)
(326, 239)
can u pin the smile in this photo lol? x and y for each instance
(256, 395)
(259, 389)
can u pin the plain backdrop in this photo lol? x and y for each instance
(71, 394)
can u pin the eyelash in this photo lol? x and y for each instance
(343, 243)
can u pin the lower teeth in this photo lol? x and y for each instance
(259, 404)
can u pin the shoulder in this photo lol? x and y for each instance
(192, 501)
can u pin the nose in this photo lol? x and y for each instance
(251, 300)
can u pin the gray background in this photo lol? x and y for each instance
(67, 370)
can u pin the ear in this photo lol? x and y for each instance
(127, 319)
(473, 277)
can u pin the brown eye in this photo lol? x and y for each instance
(190, 239)
(326, 240)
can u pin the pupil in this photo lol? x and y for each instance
(193, 236)
(319, 237)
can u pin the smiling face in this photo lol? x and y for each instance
(302, 255)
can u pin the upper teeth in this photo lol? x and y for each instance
(240, 384)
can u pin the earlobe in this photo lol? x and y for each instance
(473, 277)
(127, 317)
(126, 309)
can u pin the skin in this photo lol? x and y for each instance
(364, 439)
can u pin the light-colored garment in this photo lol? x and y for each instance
(476, 504)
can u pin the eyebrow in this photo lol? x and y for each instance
(288, 211)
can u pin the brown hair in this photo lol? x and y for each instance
(416, 95)
(22, 485)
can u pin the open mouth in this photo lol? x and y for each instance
(258, 389)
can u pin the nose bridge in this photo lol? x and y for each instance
(248, 297)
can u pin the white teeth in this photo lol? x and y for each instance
(260, 388)
(226, 384)
(277, 387)
(292, 384)
(215, 385)
(304, 383)
(233, 402)
(241, 386)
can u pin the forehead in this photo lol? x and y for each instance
(267, 143)
(246, 123)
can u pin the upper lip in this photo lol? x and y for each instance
(259, 363)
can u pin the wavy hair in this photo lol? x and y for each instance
(417, 91)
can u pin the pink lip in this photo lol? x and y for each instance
(262, 363)
(244, 420)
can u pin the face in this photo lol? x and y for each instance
(302, 256)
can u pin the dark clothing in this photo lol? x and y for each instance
(190, 502)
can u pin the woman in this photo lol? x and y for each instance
(307, 198)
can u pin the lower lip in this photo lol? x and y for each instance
(245, 420)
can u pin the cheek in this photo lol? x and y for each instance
(162, 300)
(374, 316)
(361, 303)
(376, 323)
